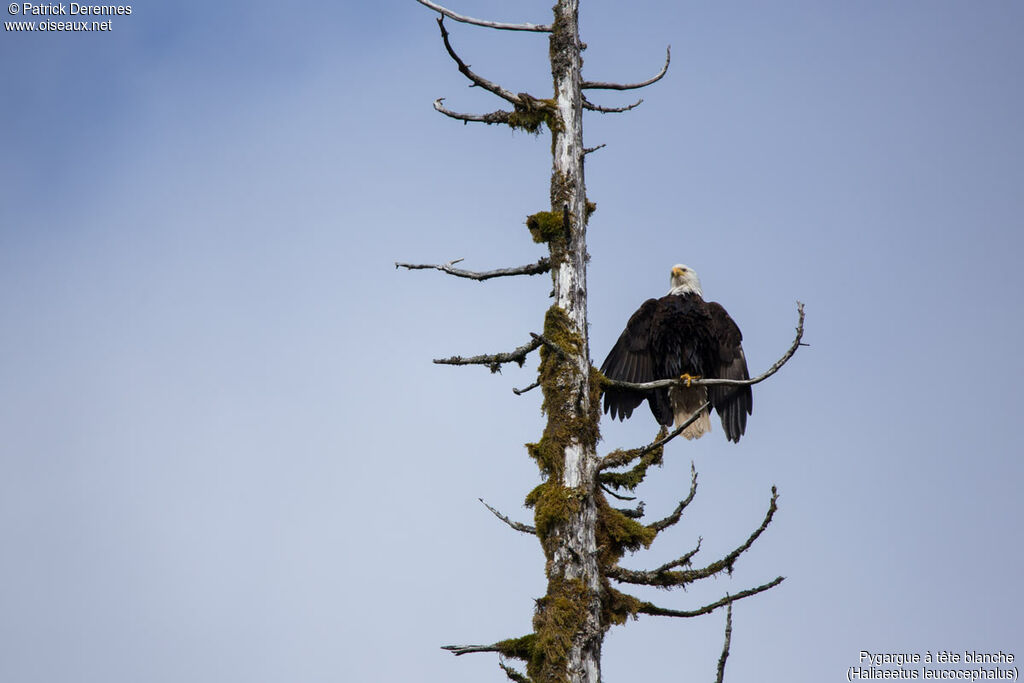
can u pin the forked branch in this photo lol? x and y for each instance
(543, 28)
(658, 384)
(541, 266)
(496, 360)
(671, 579)
(600, 85)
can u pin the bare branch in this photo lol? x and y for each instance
(494, 361)
(494, 117)
(506, 95)
(587, 104)
(654, 610)
(518, 526)
(725, 646)
(598, 85)
(658, 384)
(671, 579)
(662, 524)
(541, 266)
(543, 28)
(613, 494)
(520, 392)
(588, 150)
(623, 458)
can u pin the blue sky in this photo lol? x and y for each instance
(226, 456)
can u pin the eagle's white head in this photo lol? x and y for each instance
(684, 281)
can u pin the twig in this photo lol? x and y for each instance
(633, 513)
(459, 650)
(587, 104)
(518, 526)
(599, 85)
(662, 524)
(589, 150)
(550, 344)
(506, 95)
(494, 361)
(623, 458)
(541, 266)
(725, 646)
(681, 561)
(544, 28)
(658, 384)
(499, 116)
(654, 610)
(520, 392)
(617, 496)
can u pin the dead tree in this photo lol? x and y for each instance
(583, 536)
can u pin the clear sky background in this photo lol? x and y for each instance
(225, 455)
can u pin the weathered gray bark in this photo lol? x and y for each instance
(575, 556)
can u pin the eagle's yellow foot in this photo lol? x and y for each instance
(688, 378)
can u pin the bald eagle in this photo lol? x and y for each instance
(681, 336)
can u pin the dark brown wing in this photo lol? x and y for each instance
(631, 360)
(732, 404)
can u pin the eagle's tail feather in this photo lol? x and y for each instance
(684, 403)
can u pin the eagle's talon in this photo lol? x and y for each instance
(688, 378)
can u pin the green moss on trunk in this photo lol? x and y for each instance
(560, 615)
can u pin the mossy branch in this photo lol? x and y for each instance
(496, 360)
(518, 526)
(632, 513)
(654, 610)
(672, 579)
(661, 383)
(514, 675)
(634, 477)
(550, 344)
(599, 85)
(541, 266)
(476, 79)
(459, 650)
(543, 28)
